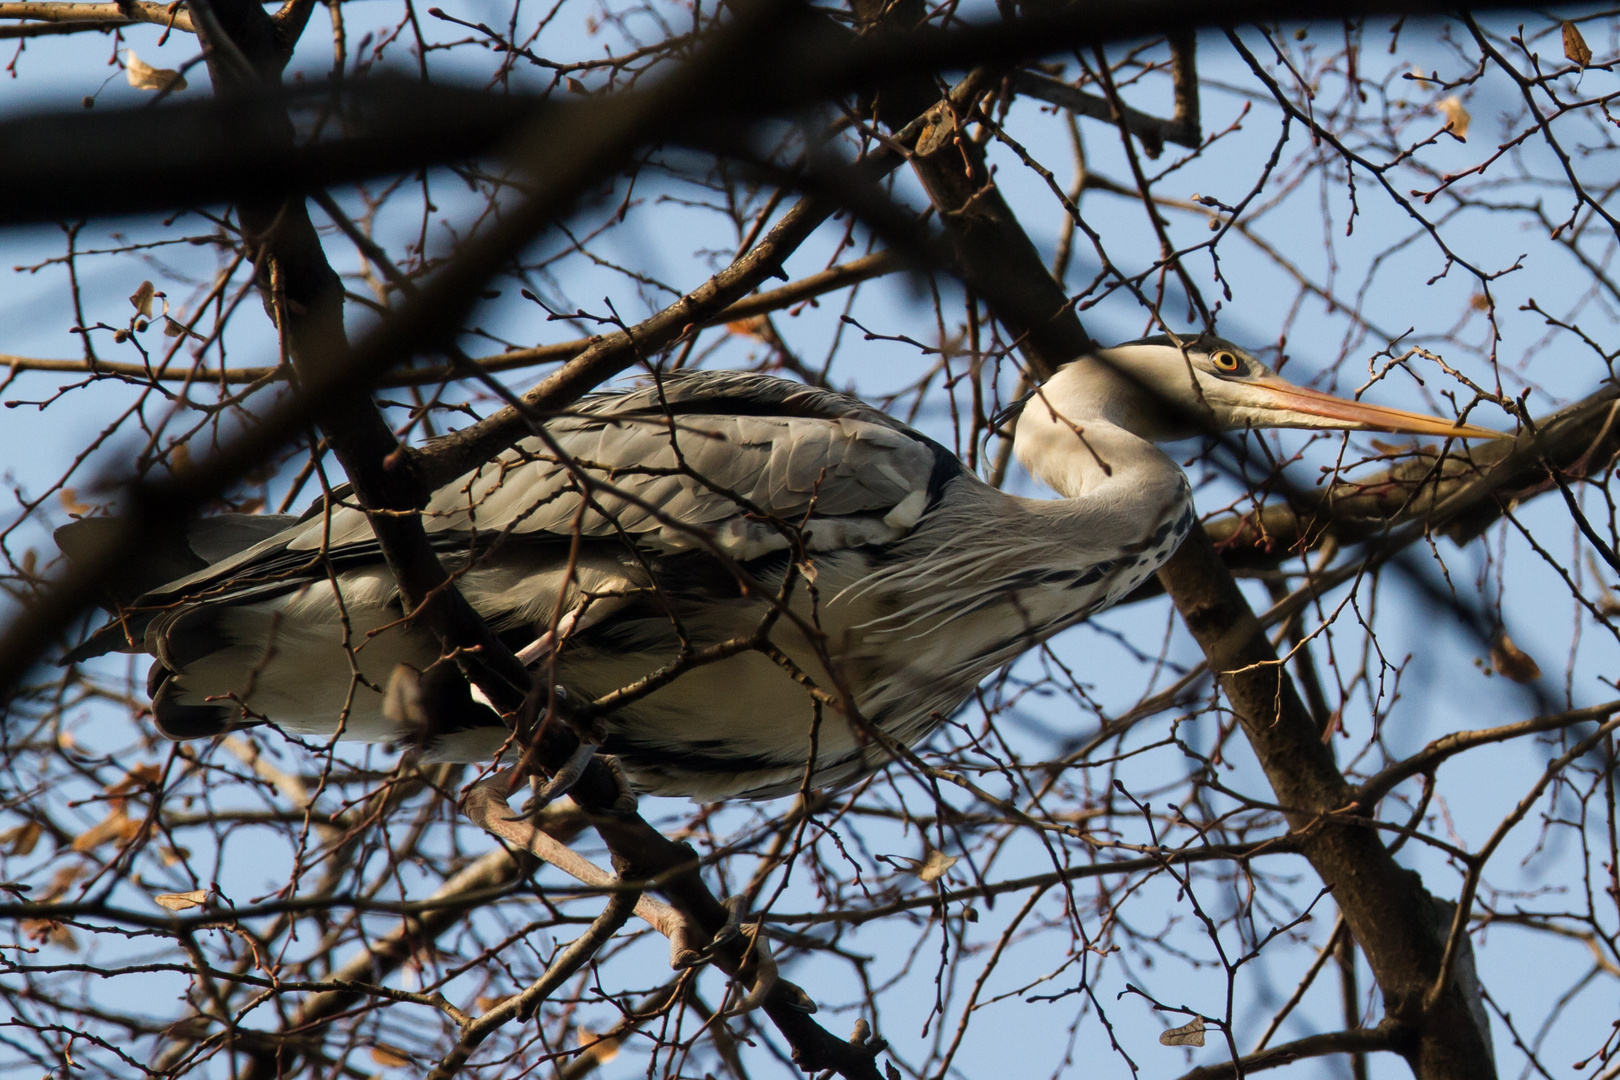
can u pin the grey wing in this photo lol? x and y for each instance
(696, 460)
(675, 480)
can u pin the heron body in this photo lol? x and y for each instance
(679, 516)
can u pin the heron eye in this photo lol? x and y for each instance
(1225, 361)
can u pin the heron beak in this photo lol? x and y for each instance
(1288, 400)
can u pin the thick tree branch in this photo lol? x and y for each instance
(1153, 131)
(1437, 752)
(992, 247)
(130, 11)
(73, 164)
(1386, 1036)
(1384, 905)
(1459, 496)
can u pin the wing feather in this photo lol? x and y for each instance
(656, 469)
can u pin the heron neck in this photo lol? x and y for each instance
(1079, 455)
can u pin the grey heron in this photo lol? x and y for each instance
(674, 514)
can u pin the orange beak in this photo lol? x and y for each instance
(1287, 398)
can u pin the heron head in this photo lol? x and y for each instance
(1162, 390)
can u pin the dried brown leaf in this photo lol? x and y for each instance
(190, 1027)
(1512, 662)
(110, 827)
(69, 498)
(402, 701)
(602, 1048)
(935, 866)
(1456, 116)
(141, 775)
(390, 1056)
(182, 901)
(49, 931)
(22, 839)
(1186, 1035)
(758, 327)
(142, 297)
(60, 882)
(1575, 47)
(939, 131)
(143, 76)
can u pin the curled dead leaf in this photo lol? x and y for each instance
(935, 866)
(190, 1027)
(1456, 116)
(69, 497)
(60, 882)
(1575, 47)
(1186, 1035)
(402, 703)
(49, 932)
(110, 827)
(141, 775)
(758, 327)
(391, 1057)
(22, 839)
(1512, 662)
(143, 76)
(602, 1048)
(939, 130)
(181, 901)
(142, 297)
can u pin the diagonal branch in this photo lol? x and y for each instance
(1386, 1036)
(1153, 131)
(1433, 755)
(113, 14)
(1384, 905)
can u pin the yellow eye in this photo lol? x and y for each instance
(1225, 361)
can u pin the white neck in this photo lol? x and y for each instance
(1071, 442)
